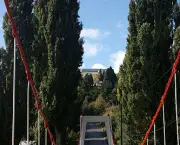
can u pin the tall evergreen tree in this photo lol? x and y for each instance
(129, 82)
(146, 60)
(88, 81)
(61, 31)
(109, 81)
(22, 14)
(162, 42)
(5, 116)
(176, 13)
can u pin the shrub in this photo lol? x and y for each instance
(100, 105)
(72, 137)
(94, 108)
(88, 108)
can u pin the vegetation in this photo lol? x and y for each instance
(24, 25)
(50, 35)
(51, 40)
(58, 88)
(147, 59)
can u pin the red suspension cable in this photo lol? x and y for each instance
(163, 98)
(28, 74)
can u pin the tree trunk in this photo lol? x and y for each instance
(58, 137)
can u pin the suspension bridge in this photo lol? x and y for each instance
(90, 133)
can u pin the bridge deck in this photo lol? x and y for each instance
(94, 135)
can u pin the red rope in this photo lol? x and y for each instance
(28, 74)
(163, 98)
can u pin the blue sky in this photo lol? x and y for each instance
(104, 31)
(2, 11)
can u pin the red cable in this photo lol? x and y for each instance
(28, 74)
(163, 98)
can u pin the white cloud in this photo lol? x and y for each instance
(117, 59)
(91, 49)
(90, 33)
(98, 66)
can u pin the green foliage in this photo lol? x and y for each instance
(4, 96)
(100, 104)
(109, 82)
(22, 14)
(94, 108)
(176, 14)
(176, 42)
(146, 60)
(87, 82)
(51, 41)
(72, 137)
(99, 76)
(175, 50)
(88, 79)
(58, 34)
(114, 112)
(94, 92)
(118, 96)
(88, 88)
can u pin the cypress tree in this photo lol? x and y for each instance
(161, 61)
(88, 81)
(129, 78)
(22, 14)
(5, 116)
(176, 14)
(58, 89)
(146, 60)
(109, 82)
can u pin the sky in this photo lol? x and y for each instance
(104, 31)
